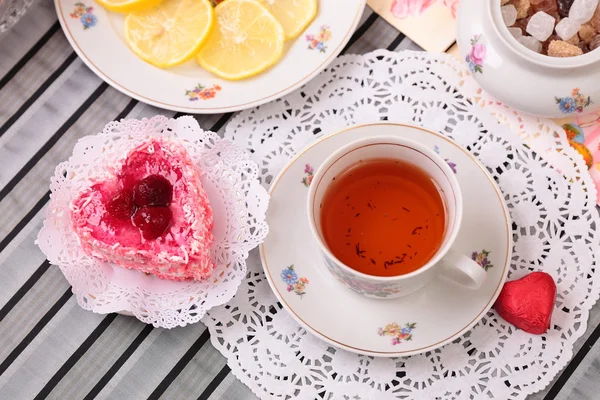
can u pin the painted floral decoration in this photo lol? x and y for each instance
(358, 285)
(397, 332)
(202, 92)
(477, 55)
(414, 8)
(576, 103)
(85, 15)
(451, 164)
(482, 259)
(294, 283)
(317, 42)
(309, 172)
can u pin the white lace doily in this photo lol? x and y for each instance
(239, 205)
(555, 230)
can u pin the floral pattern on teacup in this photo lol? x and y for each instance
(477, 55)
(451, 164)
(309, 174)
(575, 103)
(202, 92)
(397, 332)
(317, 42)
(85, 15)
(481, 258)
(360, 286)
(294, 283)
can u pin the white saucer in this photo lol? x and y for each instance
(431, 317)
(97, 37)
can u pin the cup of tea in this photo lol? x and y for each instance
(385, 212)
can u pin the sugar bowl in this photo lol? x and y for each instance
(518, 76)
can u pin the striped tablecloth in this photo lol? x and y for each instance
(49, 346)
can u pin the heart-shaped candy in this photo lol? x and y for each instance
(527, 303)
(153, 215)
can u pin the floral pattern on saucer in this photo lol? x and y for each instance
(481, 258)
(397, 332)
(294, 283)
(202, 92)
(85, 15)
(576, 103)
(309, 172)
(317, 42)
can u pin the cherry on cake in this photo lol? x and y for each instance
(151, 215)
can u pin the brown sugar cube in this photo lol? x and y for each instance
(546, 6)
(586, 32)
(558, 48)
(583, 46)
(555, 15)
(522, 7)
(594, 43)
(595, 21)
(573, 40)
(546, 43)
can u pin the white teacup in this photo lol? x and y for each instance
(447, 262)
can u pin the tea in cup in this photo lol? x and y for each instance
(385, 211)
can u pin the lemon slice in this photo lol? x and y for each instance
(293, 15)
(245, 41)
(170, 33)
(126, 6)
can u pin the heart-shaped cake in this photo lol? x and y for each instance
(152, 215)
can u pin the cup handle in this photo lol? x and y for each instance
(460, 269)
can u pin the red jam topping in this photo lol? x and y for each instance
(145, 205)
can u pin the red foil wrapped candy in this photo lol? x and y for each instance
(527, 303)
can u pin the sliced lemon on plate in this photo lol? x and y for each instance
(170, 33)
(126, 6)
(246, 40)
(293, 15)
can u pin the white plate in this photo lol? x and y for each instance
(440, 312)
(97, 37)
